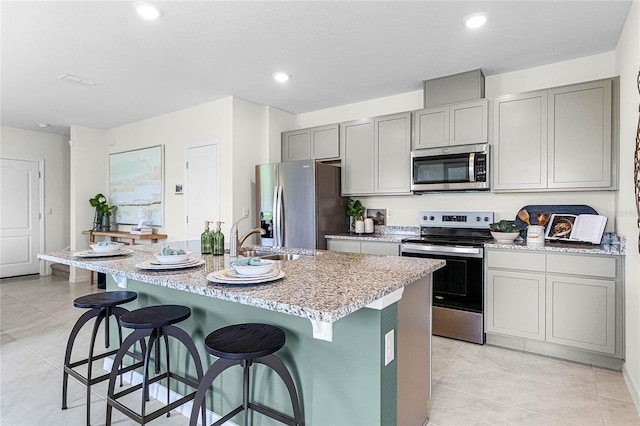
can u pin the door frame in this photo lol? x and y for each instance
(44, 267)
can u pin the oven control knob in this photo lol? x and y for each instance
(431, 218)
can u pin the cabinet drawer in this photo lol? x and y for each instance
(582, 265)
(380, 248)
(516, 260)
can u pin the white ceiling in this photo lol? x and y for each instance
(337, 52)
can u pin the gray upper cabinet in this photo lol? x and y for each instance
(554, 139)
(358, 157)
(580, 136)
(325, 142)
(520, 141)
(376, 155)
(315, 143)
(393, 154)
(456, 124)
(296, 145)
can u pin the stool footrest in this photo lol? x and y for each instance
(151, 416)
(93, 358)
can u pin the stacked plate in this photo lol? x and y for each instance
(155, 265)
(118, 251)
(230, 276)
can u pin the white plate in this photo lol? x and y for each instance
(229, 276)
(91, 253)
(191, 261)
(149, 266)
(106, 249)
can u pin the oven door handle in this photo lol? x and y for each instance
(427, 249)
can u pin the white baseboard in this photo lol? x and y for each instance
(159, 393)
(633, 387)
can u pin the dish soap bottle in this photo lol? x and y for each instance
(206, 239)
(218, 241)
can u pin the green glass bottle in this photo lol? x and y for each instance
(218, 241)
(206, 239)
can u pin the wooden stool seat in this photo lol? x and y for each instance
(106, 299)
(245, 341)
(155, 316)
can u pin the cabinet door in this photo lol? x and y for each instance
(431, 128)
(325, 142)
(382, 248)
(296, 145)
(357, 148)
(468, 123)
(581, 313)
(515, 304)
(520, 142)
(580, 136)
(348, 246)
(393, 154)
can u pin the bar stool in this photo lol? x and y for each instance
(154, 322)
(102, 307)
(244, 345)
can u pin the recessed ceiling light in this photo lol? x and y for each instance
(78, 80)
(147, 11)
(475, 21)
(281, 77)
(42, 125)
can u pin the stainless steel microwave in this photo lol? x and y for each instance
(451, 168)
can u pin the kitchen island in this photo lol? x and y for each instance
(337, 309)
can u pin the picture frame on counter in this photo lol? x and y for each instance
(379, 216)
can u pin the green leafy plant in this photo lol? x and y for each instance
(102, 209)
(504, 226)
(355, 209)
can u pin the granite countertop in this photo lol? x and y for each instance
(321, 286)
(611, 246)
(390, 234)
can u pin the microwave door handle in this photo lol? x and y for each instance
(472, 162)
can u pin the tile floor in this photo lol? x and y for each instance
(471, 384)
(487, 385)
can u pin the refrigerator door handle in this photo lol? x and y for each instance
(279, 242)
(276, 225)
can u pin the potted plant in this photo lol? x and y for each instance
(504, 231)
(355, 211)
(103, 212)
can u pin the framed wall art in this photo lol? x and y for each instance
(136, 185)
(379, 216)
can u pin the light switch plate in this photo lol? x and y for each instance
(389, 347)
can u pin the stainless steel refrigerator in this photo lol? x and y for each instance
(298, 203)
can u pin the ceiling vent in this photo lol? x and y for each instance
(77, 80)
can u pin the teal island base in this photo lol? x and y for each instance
(340, 382)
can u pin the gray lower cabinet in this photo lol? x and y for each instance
(555, 139)
(455, 124)
(315, 143)
(574, 300)
(382, 248)
(376, 155)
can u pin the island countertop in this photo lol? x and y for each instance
(321, 285)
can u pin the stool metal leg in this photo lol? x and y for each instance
(278, 366)
(214, 371)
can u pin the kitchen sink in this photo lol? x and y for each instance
(281, 256)
(270, 255)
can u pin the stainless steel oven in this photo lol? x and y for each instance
(458, 287)
(454, 168)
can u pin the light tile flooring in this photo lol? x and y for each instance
(487, 385)
(473, 384)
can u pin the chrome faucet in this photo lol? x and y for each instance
(235, 243)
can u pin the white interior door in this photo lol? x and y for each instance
(202, 189)
(19, 217)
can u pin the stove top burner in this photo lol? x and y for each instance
(453, 228)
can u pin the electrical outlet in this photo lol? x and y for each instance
(389, 347)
